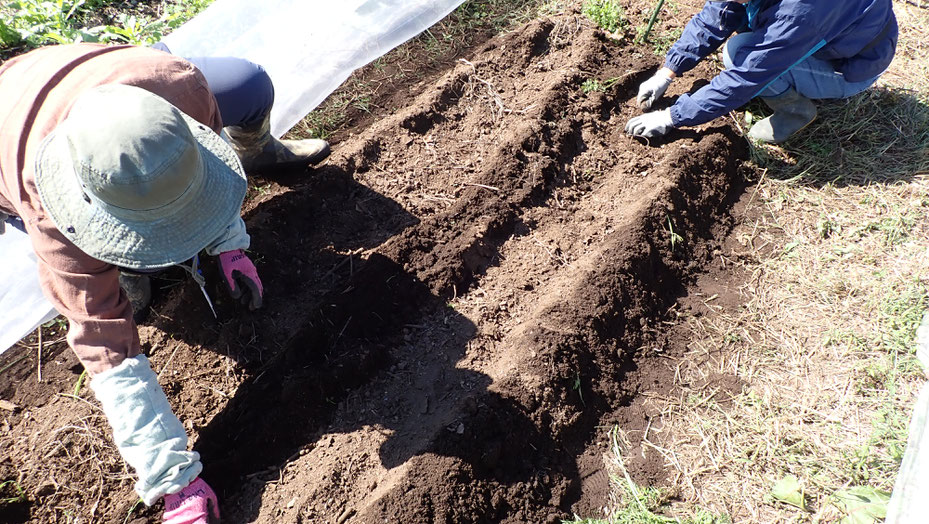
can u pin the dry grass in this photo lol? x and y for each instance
(911, 63)
(838, 279)
(836, 287)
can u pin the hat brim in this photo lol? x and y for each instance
(140, 243)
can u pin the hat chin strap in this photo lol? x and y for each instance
(194, 270)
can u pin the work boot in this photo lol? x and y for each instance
(792, 112)
(259, 151)
(138, 290)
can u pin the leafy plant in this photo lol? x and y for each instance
(862, 504)
(592, 84)
(789, 491)
(33, 23)
(607, 14)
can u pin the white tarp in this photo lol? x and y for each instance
(308, 47)
(909, 503)
(22, 304)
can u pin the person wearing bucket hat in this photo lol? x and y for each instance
(114, 160)
(787, 52)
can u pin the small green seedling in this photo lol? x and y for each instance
(19, 497)
(673, 237)
(132, 510)
(591, 85)
(577, 387)
(80, 383)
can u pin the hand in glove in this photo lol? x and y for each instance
(652, 89)
(240, 273)
(650, 125)
(195, 504)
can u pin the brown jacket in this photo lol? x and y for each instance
(36, 93)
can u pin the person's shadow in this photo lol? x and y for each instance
(365, 326)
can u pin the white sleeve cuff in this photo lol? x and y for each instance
(147, 433)
(232, 238)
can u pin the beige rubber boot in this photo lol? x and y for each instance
(259, 151)
(792, 112)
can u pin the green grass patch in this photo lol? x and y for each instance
(663, 42)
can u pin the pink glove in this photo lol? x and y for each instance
(239, 272)
(195, 504)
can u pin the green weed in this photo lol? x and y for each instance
(664, 41)
(673, 237)
(132, 510)
(592, 84)
(576, 386)
(607, 14)
(20, 494)
(633, 504)
(80, 383)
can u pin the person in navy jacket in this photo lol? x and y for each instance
(785, 51)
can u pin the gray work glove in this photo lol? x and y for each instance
(650, 125)
(652, 89)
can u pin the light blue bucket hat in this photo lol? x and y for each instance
(133, 181)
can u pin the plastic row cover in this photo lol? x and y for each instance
(909, 503)
(21, 301)
(308, 47)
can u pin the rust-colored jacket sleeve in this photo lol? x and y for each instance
(36, 92)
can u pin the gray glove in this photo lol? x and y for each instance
(650, 125)
(652, 89)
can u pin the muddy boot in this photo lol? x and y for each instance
(259, 151)
(792, 112)
(138, 290)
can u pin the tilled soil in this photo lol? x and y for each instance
(458, 302)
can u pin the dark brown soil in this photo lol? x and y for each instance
(458, 302)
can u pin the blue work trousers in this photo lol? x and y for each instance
(242, 88)
(813, 78)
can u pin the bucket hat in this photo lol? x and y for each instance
(133, 181)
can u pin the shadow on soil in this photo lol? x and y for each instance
(346, 323)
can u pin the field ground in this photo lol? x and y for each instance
(491, 305)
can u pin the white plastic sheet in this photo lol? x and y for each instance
(308, 47)
(22, 305)
(909, 503)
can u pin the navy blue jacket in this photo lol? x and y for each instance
(858, 36)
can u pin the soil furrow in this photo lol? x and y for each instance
(534, 348)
